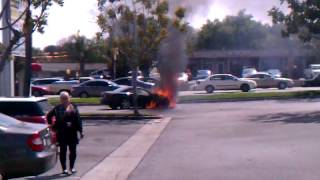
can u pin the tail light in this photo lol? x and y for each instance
(35, 143)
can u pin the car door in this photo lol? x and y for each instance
(214, 81)
(91, 88)
(144, 97)
(258, 78)
(229, 82)
(269, 82)
(103, 86)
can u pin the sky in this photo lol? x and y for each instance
(80, 15)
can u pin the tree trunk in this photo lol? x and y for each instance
(28, 44)
(82, 66)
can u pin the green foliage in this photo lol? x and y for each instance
(303, 19)
(79, 47)
(234, 32)
(137, 28)
(241, 32)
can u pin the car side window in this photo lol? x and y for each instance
(91, 84)
(215, 78)
(102, 84)
(226, 78)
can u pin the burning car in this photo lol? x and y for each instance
(123, 98)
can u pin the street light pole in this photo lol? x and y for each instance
(7, 75)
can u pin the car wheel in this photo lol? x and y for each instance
(125, 104)
(282, 85)
(84, 95)
(209, 89)
(37, 93)
(245, 88)
(114, 107)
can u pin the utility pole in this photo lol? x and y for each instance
(28, 43)
(7, 75)
(135, 67)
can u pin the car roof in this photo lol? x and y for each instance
(222, 75)
(261, 73)
(48, 79)
(22, 99)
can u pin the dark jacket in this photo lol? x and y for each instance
(67, 125)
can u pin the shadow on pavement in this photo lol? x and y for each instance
(312, 117)
(49, 177)
(116, 122)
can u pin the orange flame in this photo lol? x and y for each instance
(168, 99)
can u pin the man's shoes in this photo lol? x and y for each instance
(65, 172)
(73, 171)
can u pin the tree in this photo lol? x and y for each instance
(137, 28)
(83, 50)
(35, 22)
(234, 32)
(302, 20)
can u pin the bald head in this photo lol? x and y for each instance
(64, 98)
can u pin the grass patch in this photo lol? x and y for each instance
(250, 95)
(214, 97)
(79, 101)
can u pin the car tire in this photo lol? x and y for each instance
(245, 88)
(209, 89)
(125, 104)
(37, 93)
(84, 95)
(282, 85)
(114, 107)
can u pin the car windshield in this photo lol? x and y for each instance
(23, 108)
(45, 106)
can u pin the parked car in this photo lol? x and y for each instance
(127, 81)
(315, 82)
(100, 74)
(225, 82)
(202, 74)
(154, 81)
(312, 71)
(275, 73)
(93, 88)
(265, 80)
(26, 149)
(60, 86)
(33, 109)
(248, 72)
(183, 77)
(123, 98)
(45, 81)
(40, 90)
(84, 79)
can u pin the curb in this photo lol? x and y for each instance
(241, 100)
(118, 117)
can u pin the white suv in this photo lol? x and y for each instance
(225, 82)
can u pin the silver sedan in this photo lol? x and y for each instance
(26, 149)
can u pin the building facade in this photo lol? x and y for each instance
(290, 63)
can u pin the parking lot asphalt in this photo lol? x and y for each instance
(265, 140)
(102, 137)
